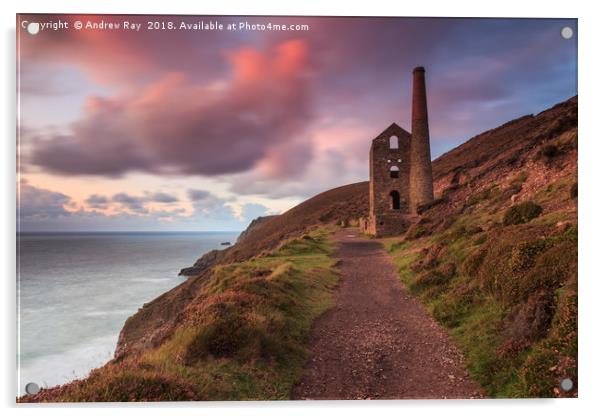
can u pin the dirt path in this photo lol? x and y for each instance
(378, 342)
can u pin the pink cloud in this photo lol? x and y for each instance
(214, 103)
(178, 126)
(339, 152)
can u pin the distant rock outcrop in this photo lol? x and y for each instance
(212, 257)
(253, 226)
(203, 263)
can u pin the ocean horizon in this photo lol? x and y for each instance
(75, 289)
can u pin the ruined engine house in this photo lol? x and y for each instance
(401, 177)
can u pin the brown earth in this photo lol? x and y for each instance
(379, 342)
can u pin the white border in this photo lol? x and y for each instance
(589, 170)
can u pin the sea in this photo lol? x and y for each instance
(75, 291)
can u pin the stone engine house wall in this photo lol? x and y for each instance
(400, 171)
(389, 181)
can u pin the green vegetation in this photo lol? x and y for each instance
(522, 213)
(425, 207)
(483, 196)
(243, 337)
(508, 297)
(495, 195)
(121, 383)
(416, 231)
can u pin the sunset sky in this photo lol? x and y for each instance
(180, 130)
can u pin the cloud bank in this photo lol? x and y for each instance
(41, 209)
(270, 116)
(177, 127)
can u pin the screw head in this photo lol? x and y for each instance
(33, 28)
(32, 388)
(566, 32)
(566, 384)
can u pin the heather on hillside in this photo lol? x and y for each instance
(243, 337)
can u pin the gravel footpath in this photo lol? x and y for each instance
(378, 342)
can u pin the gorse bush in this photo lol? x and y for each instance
(523, 254)
(574, 189)
(550, 151)
(416, 231)
(122, 383)
(522, 213)
(226, 335)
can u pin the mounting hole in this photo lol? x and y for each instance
(566, 384)
(566, 32)
(32, 388)
(33, 28)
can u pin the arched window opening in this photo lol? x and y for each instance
(394, 199)
(394, 171)
(393, 142)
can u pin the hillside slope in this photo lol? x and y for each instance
(495, 257)
(157, 319)
(533, 158)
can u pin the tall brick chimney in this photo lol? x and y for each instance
(421, 176)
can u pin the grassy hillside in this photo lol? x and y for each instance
(495, 257)
(242, 337)
(156, 320)
(508, 296)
